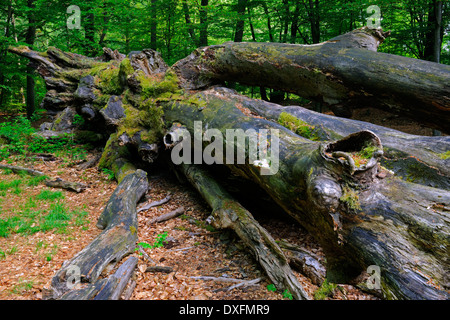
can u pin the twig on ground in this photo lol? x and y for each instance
(154, 204)
(172, 214)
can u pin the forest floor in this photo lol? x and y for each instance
(29, 261)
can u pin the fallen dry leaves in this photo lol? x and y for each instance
(191, 250)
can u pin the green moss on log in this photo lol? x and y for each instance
(298, 126)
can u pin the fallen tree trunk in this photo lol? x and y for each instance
(359, 218)
(343, 73)
(359, 212)
(56, 183)
(118, 239)
(229, 214)
(417, 159)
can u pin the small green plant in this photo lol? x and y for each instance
(298, 126)
(287, 295)
(271, 288)
(22, 286)
(326, 290)
(109, 173)
(159, 242)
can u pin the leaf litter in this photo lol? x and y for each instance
(190, 248)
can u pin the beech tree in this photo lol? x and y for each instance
(329, 177)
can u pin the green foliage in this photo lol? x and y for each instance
(50, 195)
(159, 242)
(326, 290)
(19, 138)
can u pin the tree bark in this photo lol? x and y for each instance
(417, 159)
(203, 40)
(361, 214)
(340, 73)
(29, 39)
(118, 239)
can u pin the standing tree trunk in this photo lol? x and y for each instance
(29, 39)
(240, 23)
(203, 40)
(153, 24)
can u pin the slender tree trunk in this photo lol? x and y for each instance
(29, 39)
(240, 23)
(203, 40)
(153, 25)
(189, 25)
(269, 23)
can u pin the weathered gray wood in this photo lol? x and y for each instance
(418, 159)
(119, 222)
(229, 214)
(345, 209)
(170, 215)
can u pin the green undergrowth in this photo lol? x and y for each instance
(43, 212)
(18, 139)
(325, 291)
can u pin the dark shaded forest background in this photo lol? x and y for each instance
(177, 27)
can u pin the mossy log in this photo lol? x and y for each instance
(417, 159)
(118, 239)
(360, 216)
(360, 213)
(227, 213)
(343, 73)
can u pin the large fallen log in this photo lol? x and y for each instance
(359, 218)
(359, 212)
(344, 73)
(118, 239)
(417, 159)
